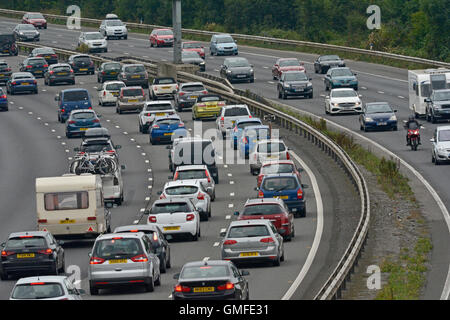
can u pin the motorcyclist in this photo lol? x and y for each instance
(411, 124)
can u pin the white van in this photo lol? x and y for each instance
(72, 205)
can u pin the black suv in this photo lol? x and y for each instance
(438, 105)
(294, 83)
(81, 64)
(8, 44)
(323, 63)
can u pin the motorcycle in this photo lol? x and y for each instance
(413, 135)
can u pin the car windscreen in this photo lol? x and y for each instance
(164, 33)
(343, 93)
(82, 115)
(25, 242)
(192, 45)
(114, 23)
(114, 86)
(263, 133)
(44, 51)
(277, 168)
(289, 63)
(296, 76)
(262, 209)
(96, 147)
(378, 108)
(208, 99)
(152, 107)
(242, 125)
(442, 96)
(35, 16)
(112, 66)
(192, 88)
(180, 190)
(248, 231)
(61, 68)
(132, 92)
(26, 27)
(38, 290)
(23, 76)
(280, 183)
(192, 174)
(164, 81)
(171, 207)
(209, 271)
(134, 69)
(238, 63)
(271, 147)
(225, 40)
(117, 248)
(72, 96)
(329, 58)
(94, 36)
(33, 62)
(341, 73)
(234, 112)
(444, 135)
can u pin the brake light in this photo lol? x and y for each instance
(221, 104)
(205, 92)
(135, 230)
(3, 96)
(142, 90)
(260, 177)
(42, 221)
(201, 105)
(180, 288)
(229, 242)
(181, 124)
(175, 177)
(201, 196)
(244, 140)
(103, 72)
(63, 110)
(45, 65)
(71, 71)
(176, 87)
(117, 238)
(260, 194)
(54, 56)
(13, 83)
(222, 119)
(288, 156)
(37, 283)
(155, 236)
(299, 194)
(29, 67)
(90, 108)
(104, 93)
(96, 121)
(227, 286)
(52, 72)
(156, 88)
(140, 258)
(8, 69)
(95, 260)
(190, 217)
(207, 176)
(46, 251)
(181, 93)
(267, 240)
(155, 126)
(148, 114)
(152, 219)
(92, 218)
(162, 196)
(7, 253)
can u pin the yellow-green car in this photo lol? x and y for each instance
(207, 106)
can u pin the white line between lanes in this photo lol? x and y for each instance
(317, 236)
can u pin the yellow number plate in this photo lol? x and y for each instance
(25, 255)
(160, 114)
(133, 100)
(25, 83)
(135, 77)
(118, 261)
(61, 73)
(115, 94)
(38, 71)
(84, 69)
(113, 73)
(168, 133)
(171, 228)
(193, 97)
(166, 87)
(282, 197)
(249, 254)
(66, 221)
(2, 75)
(203, 289)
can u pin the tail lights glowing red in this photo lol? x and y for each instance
(299, 194)
(190, 217)
(175, 177)
(260, 194)
(207, 176)
(46, 251)
(201, 196)
(140, 258)
(229, 242)
(7, 253)
(95, 260)
(227, 286)
(42, 221)
(152, 219)
(180, 288)
(267, 240)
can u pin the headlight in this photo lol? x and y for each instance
(228, 71)
(368, 119)
(334, 104)
(309, 84)
(393, 118)
(357, 103)
(251, 70)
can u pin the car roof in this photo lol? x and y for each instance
(191, 84)
(82, 111)
(249, 222)
(250, 202)
(209, 262)
(192, 167)
(62, 64)
(284, 59)
(132, 64)
(236, 59)
(161, 29)
(171, 200)
(80, 56)
(339, 68)
(379, 102)
(150, 227)
(187, 182)
(222, 35)
(73, 90)
(294, 71)
(260, 126)
(131, 88)
(443, 128)
(280, 175)
(247, 119)
(274, 162)
(271, 141)
(441, 90)
(95, 140)
(129, 235)
(231, 106)
(342, 89)
(26, 280)
(28, 233)
(113, 82)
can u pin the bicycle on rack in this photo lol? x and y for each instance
(104, 164)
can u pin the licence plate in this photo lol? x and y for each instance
(38, 71)
(168, 133)
(83, 129)
(135, 77)
(25, 83)
(298, 90)
(166, 88)
(193, 97)
(161, 114)
(171, 228)
(241, 75)
(249, 254)
(83, 69)
(47, 57)
(25, 255)
(117, 261)
(2, 75)
(203, 289)
(133, 100)
(382, 123)
(282, 197)
(115, 94)
(61, 74)
(113, 72)
(66, 221)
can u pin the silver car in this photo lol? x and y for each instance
(130, 98)
(228, 116)
(188, 93)
(267, 150)
(252, 241)
(153, 109)
(45, 288)
(440, 150)
(191, 189)
(123, 258)
(198, 172)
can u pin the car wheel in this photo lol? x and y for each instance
(282, 257)
(163, 265)
(62, 270)
(433, 159)
(284, 95)
(158, 282)
(395, 128)
(4, 276)
(150, 285)
(277, 263)
(365, 129)
(433, 119)
(68, 135)
(140, 128)
(252, 80)
(93, 290)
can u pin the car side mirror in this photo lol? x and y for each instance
(209, 190)
(109, 205)
(170, 177)
(60, 242)
(355, 74)
(244, 273)
(123, 167)
(235, 41)
(310, 79)
(99, 89)
(395, 110)
(222, 233)
(176, 276)
(3, 245)
(159, 193)
(256, 189)
(56, 98)
(305, 186)
(427, 100)
(89, 254)
(251, 65)
(168, 147)
(236, 213)
(99, 115)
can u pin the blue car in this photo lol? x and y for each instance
(378, 115)
(286, 186)
(3, 100)
(239, 125)
(22, 82)
(223, 44)
(81, 120)
(167, 128)
(72, 99)
(340, 78)
(250, 137)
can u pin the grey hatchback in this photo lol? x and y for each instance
(134, 75)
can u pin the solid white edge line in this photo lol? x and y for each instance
(317, 237)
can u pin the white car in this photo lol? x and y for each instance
(45, 288)
(190, 189)
(343, 100)
(440, 150)
(163, 87)
(229, 115)
(94, 40)
(112, 27)
(198, 172)
(175, 216)
(154, 109)
(109, 91)
(267, 150)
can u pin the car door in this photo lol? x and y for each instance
(241, 283)
(278, 237)
(151, 253)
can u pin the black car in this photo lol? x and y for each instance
(46, 53)
(37, 66)
(438, 105)
(31, 252)
(108, 71)
(8, 44)
(213, 279)
(96, 133)
(59, 73)
(192, 57)
(81, 64)
(97, 145)
(157, 238)
(323, 63)
(26, 32)
(237, 69)
(134, 75)
(294, 83)
(5, 71)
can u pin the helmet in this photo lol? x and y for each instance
(411, 118)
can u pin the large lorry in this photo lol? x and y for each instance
(421, 84)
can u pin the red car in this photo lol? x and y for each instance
(278, 166)
(194, 46)
(36, 19)
(273, 209)
(286, 64)
(161, 37)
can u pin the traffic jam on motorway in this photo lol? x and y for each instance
(79, 203)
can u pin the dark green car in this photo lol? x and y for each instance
(108, 71)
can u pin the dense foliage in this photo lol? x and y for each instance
(411, 27)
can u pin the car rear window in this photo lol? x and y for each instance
(45, 51)
(181, 190)
(37, 61)
(196, 272)
(242, 125)
(248, 231)
(134, 69)
(118, 248)
(132, 92)
(444, 135)
(164, 81)
(279, 184)
(262, 209)
(171, 207)
(82, 59)
(66, 201)
(199, 152)
(112, 66)
(259, 133)
(61, 69)
(23, 76)
(114, 86)
(83, 115)
(99, 147)
(25, 242)
(288, 63)
(272, 147)
(192, 174)
(234, 112)
(277, 168)
(192, 88)
(192, 45)
(208, 99)
(71, 96)
(165, 106)
(167, 121)
(38, 290)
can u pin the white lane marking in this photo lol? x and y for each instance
(231, 182)
(67, 150)
(227, 217)
(46, 124)
(138, 146)
(230, 205)
(147, 161)
(271, 82)
(44, 90)
(39, 118)
(232, 194)
(125, 133)
(107, 120)
(12, 102)
(216, 244)
(150, 179)
(401, 97)
(364, 88)
(142, 209)
(381, 92)
(21, 108)
(230, 174)
(143, 153)
(205, 259)
(59, 137)
(149, 187)
(225, 166)
(149, 170)
(118, 127)
(63, 143)
(170, 297)
(265, 67)
(53, 130)
(147, 198)
(135, 221)
(223, 230)
(132, 139)
(29, 112)
(317, 236)
(69, 158)
(216, 70)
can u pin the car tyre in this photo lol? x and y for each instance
(163, 265)
(93, 290)
(277, 263)
(158, 282)
(4, 276)
(150, 285)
